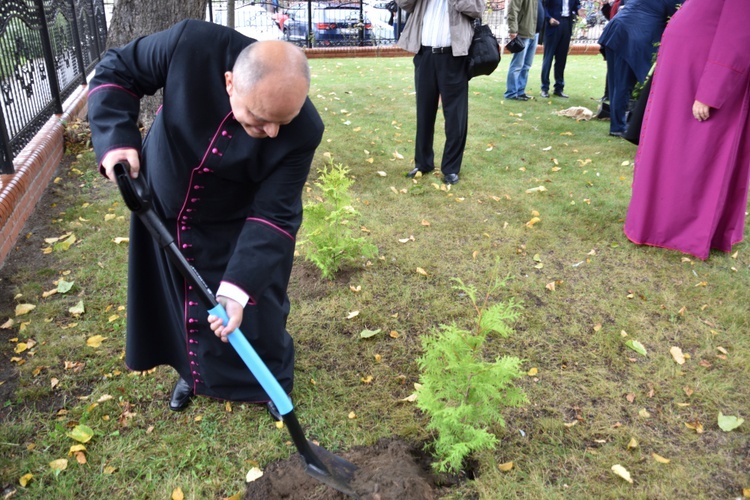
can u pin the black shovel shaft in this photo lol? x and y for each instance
(338, 471)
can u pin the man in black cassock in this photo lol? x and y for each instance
(226, 160)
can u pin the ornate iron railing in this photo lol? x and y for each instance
(47, 47)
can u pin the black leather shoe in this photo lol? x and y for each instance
(524, 97)
(274, 412)
(617, 134)
(544, 94)
(181, 395)
(560, 94)
(450, 178)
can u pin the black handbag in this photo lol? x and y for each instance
(484, 52)
(515, 45)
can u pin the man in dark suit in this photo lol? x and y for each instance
(226, 159)
(629, 41)
(559, 18)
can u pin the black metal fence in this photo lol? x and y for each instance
(329, 23)
(47, 47)
(337, 23)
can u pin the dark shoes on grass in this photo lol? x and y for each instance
(181, 395)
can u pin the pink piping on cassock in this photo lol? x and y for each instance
(112, 86)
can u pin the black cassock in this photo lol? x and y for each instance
(232, 202)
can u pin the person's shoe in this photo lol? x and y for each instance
(544, 94)
(559, 93)
(411, 173)
(617, 134)
(181, 395)
(524, 97)
(450, 178)
(274, 412)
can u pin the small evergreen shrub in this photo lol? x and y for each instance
(461, 393)
(330, 243)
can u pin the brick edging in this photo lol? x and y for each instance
(34, 167)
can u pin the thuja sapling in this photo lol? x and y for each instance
(330, 243)
(461, 393)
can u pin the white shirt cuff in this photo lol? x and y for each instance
(233, 292)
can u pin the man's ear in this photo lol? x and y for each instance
(229, 81)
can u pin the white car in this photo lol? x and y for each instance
(256, 22)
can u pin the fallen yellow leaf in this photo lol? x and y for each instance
(76, 448)
(59, 464)
(352, 415)
(532, 372)
(25, 479)
(677, 355)
(660, 459)
(505, 467)
(253, 474)
(177, 494)
(352, 314)
(421, 271)
(22, 309)
(95, 341)
(622, 472)
(533, 221)
(696, 426)
(633, 443)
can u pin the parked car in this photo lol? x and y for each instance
(332, 24)
(256, 22)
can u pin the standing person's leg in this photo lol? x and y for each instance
(620, 81)
(428, 96)
(551, 35)
(512, 84)
(528, 59)
(561, 53)
(454, 89)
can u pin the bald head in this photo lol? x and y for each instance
(268, 86)
(276, 59)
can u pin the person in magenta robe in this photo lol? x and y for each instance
(692, 167)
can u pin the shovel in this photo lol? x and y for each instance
(319, 462)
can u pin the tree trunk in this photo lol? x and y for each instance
(230, 13)
(134, 18)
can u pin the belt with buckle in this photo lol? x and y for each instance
(439, 50)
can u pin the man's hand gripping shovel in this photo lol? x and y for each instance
(319, 463)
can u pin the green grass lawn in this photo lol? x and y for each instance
(584, 288)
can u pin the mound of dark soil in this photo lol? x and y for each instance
(388, 470)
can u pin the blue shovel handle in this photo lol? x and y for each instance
(255, 364)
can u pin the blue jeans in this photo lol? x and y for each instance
(518, 71)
